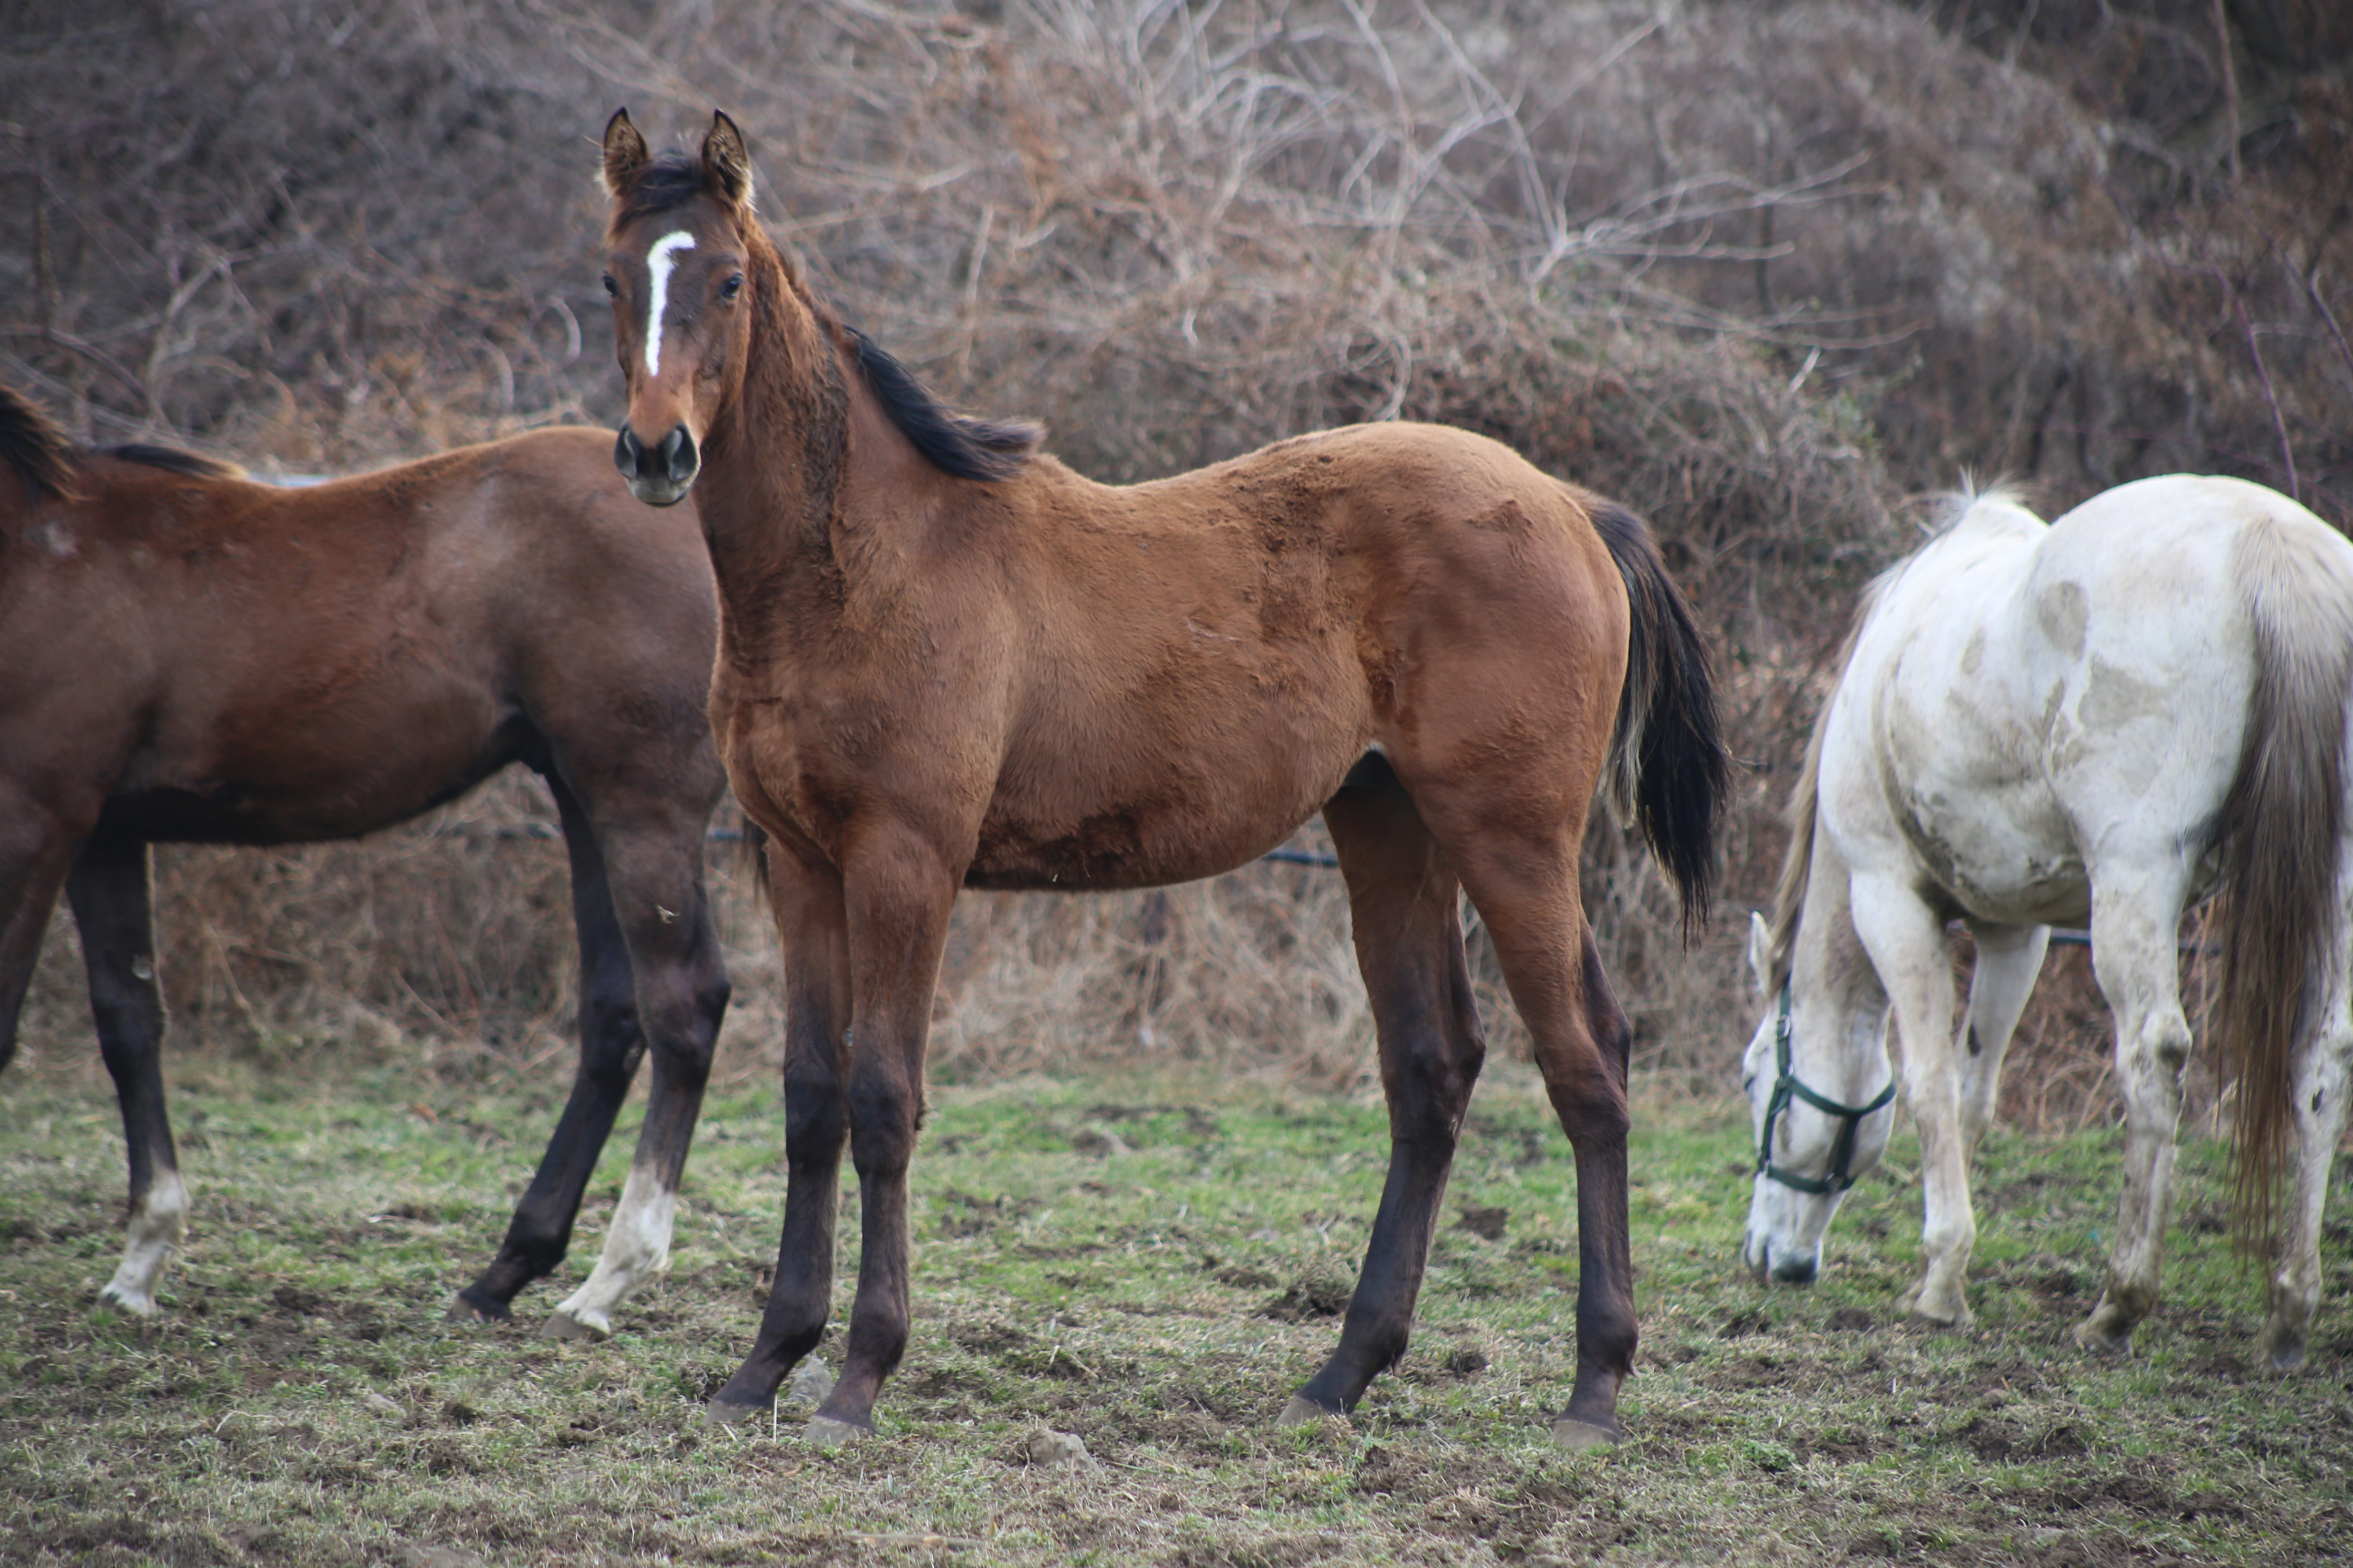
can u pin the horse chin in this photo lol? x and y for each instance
(659, 491)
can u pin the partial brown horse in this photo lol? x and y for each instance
(948, 661)
(189, 656)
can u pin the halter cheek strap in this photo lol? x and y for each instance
(1786, 1088)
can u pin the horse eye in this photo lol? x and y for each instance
(612, 287)
(733, 287)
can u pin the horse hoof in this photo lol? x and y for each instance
(1578, 1436)
(719, 1413)
(826, 1432)
(563, 1325)
(1302, 1411)
(2091, 1336)
(131, 1302)
(463, 1311)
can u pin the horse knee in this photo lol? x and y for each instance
(885, 1110)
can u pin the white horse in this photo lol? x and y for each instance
(2097, 719)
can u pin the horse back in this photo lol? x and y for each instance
(223, 658)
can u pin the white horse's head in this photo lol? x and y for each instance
(1809, 1048)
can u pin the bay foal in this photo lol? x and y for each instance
(188, 657)
(946, 660)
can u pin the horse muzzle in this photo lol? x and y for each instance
(1790, 1268)
(658, 475)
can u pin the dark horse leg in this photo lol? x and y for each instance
(113, 907)
(34, 856)
(897, 892)
(651, 846)
(1409, 935)
(611, 1043)
(1525, 885)
(808, 899)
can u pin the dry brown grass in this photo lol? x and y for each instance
(1757, 271)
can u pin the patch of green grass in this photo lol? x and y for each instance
(1143, 1262)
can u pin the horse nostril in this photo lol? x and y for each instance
(678, 455)
(628, 452)
(1795, 1270)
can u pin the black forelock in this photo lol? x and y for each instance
(670, 179)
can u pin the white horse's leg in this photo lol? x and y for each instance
(2321, 1075)
(2135, 953)
(1906, 943)
(2008, 959)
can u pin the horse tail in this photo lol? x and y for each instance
(2282, 825)
(751, 858)
(1668, 769)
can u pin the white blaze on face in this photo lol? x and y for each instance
(658, 262)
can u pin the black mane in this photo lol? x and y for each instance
(192, 464)
(956, 444)
(35, 446)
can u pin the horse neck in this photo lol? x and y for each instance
(774, 468)
(1839, 1004)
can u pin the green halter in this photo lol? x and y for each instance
(1786, 1088)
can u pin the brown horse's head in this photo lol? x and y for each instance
(679, 248)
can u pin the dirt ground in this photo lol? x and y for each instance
(1149, 1266)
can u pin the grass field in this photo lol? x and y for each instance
(1151, 1265)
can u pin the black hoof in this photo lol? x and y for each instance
(719, 1413)
(470, 1308)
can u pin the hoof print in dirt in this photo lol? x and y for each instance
(1578, 1436)
(1315, 1296)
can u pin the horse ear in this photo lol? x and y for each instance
(624, 152)
(1760, 952)
(727, 161)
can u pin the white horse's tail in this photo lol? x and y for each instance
(2282, 825)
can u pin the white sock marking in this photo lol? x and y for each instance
(636, 1248)
(157, 1225)
(658, 262)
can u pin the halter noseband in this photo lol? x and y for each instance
(1786, 1087)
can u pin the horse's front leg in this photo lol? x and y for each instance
(1905, 941)
(900, 890)
(109, 887)
(807, 896)
(2009, 959)
(2135, 953)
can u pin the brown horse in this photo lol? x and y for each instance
(946, 661)
(189, 656)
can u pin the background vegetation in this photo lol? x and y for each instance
(1765, 272)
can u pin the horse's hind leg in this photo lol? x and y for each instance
(1409, 935)
(2009, 959)
(2135, 953)
(653, 862)
(112, 904)
(1524, 886)
(2324, 1074)
(610, 1046)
